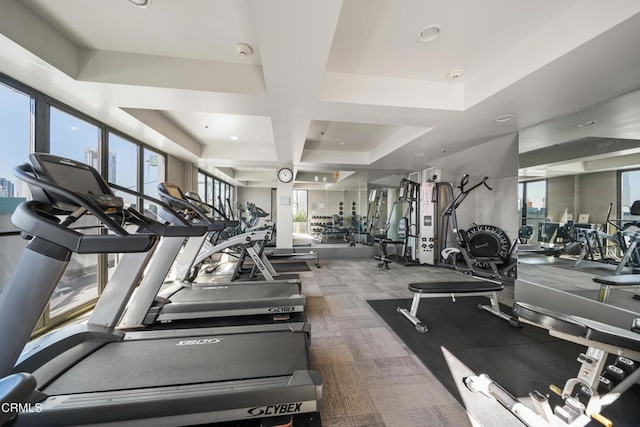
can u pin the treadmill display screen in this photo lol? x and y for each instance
(174, 191)
(76, 179)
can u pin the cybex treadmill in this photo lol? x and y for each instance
(93, 374)
(227, 303)
(251, 244)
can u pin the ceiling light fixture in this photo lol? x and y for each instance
(455, 74)
(504, 118)
(418, 154)
(429, 33)
(341, 143)
(589, 123)
(243, 49)
(234, 138)
(141, 3)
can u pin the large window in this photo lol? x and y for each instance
(629, 193)
(16, 139)
(532, 200)
(77, 139)
(30, 121)
(300, 210)
(74, 138)
(153, 173)
(216, 193)
(123, 166)
(202, 191)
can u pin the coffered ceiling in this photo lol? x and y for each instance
(332, 85)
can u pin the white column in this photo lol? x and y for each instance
(284, 223)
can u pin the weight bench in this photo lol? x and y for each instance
(484, 288)
(595, 371)
(616, 281)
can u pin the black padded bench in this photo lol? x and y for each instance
(453, 290)
(615, 280)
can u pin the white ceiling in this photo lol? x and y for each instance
(334, 71)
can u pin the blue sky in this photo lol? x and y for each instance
(70, 137)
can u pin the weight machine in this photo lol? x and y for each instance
(407, 242)
(482, 250)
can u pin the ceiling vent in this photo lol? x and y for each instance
(243, 49)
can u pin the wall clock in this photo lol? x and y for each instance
(285, 175)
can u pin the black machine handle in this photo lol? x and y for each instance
(230, 223)
(465, 180)
(185, 229)
(217, 226)
(30, 218)
(25, 173)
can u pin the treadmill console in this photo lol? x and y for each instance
(173, 190)
(74, 176)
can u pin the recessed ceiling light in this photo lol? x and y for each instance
(341, 143)
(234, 138)
(589, 123)
(504, 118)
(418, 154)
(141, 3)
(455, 74)
(429, 33)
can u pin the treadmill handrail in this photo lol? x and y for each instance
(192, 207)
(24, 172)
(185, 228)
(177, 217)
(216, 210)
(29, 218)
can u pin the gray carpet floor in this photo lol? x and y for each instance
(370, 377)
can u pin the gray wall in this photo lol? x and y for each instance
(561, 198)
(588, 193)
(596, 191)
(176, 173)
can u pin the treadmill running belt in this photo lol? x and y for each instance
(220, 292)
(176, 361)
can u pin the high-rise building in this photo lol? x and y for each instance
(112, 167)
(91, 157)
(6, 188)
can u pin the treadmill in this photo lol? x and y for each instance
(160, 304)
(94, 374)
(251, 243)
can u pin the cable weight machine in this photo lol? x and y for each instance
(482, 250)
(406, 243)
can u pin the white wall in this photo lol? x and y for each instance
(497, 159)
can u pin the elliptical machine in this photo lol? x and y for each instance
(483, 250)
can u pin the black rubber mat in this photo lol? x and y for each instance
(281, 265)
(520, 359)
(289, 267)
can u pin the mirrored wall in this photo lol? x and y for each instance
(578, 180)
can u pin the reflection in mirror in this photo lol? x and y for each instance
(334, 209)
(579, 178)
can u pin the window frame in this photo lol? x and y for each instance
(40, 142)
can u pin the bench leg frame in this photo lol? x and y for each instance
(494, 308)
